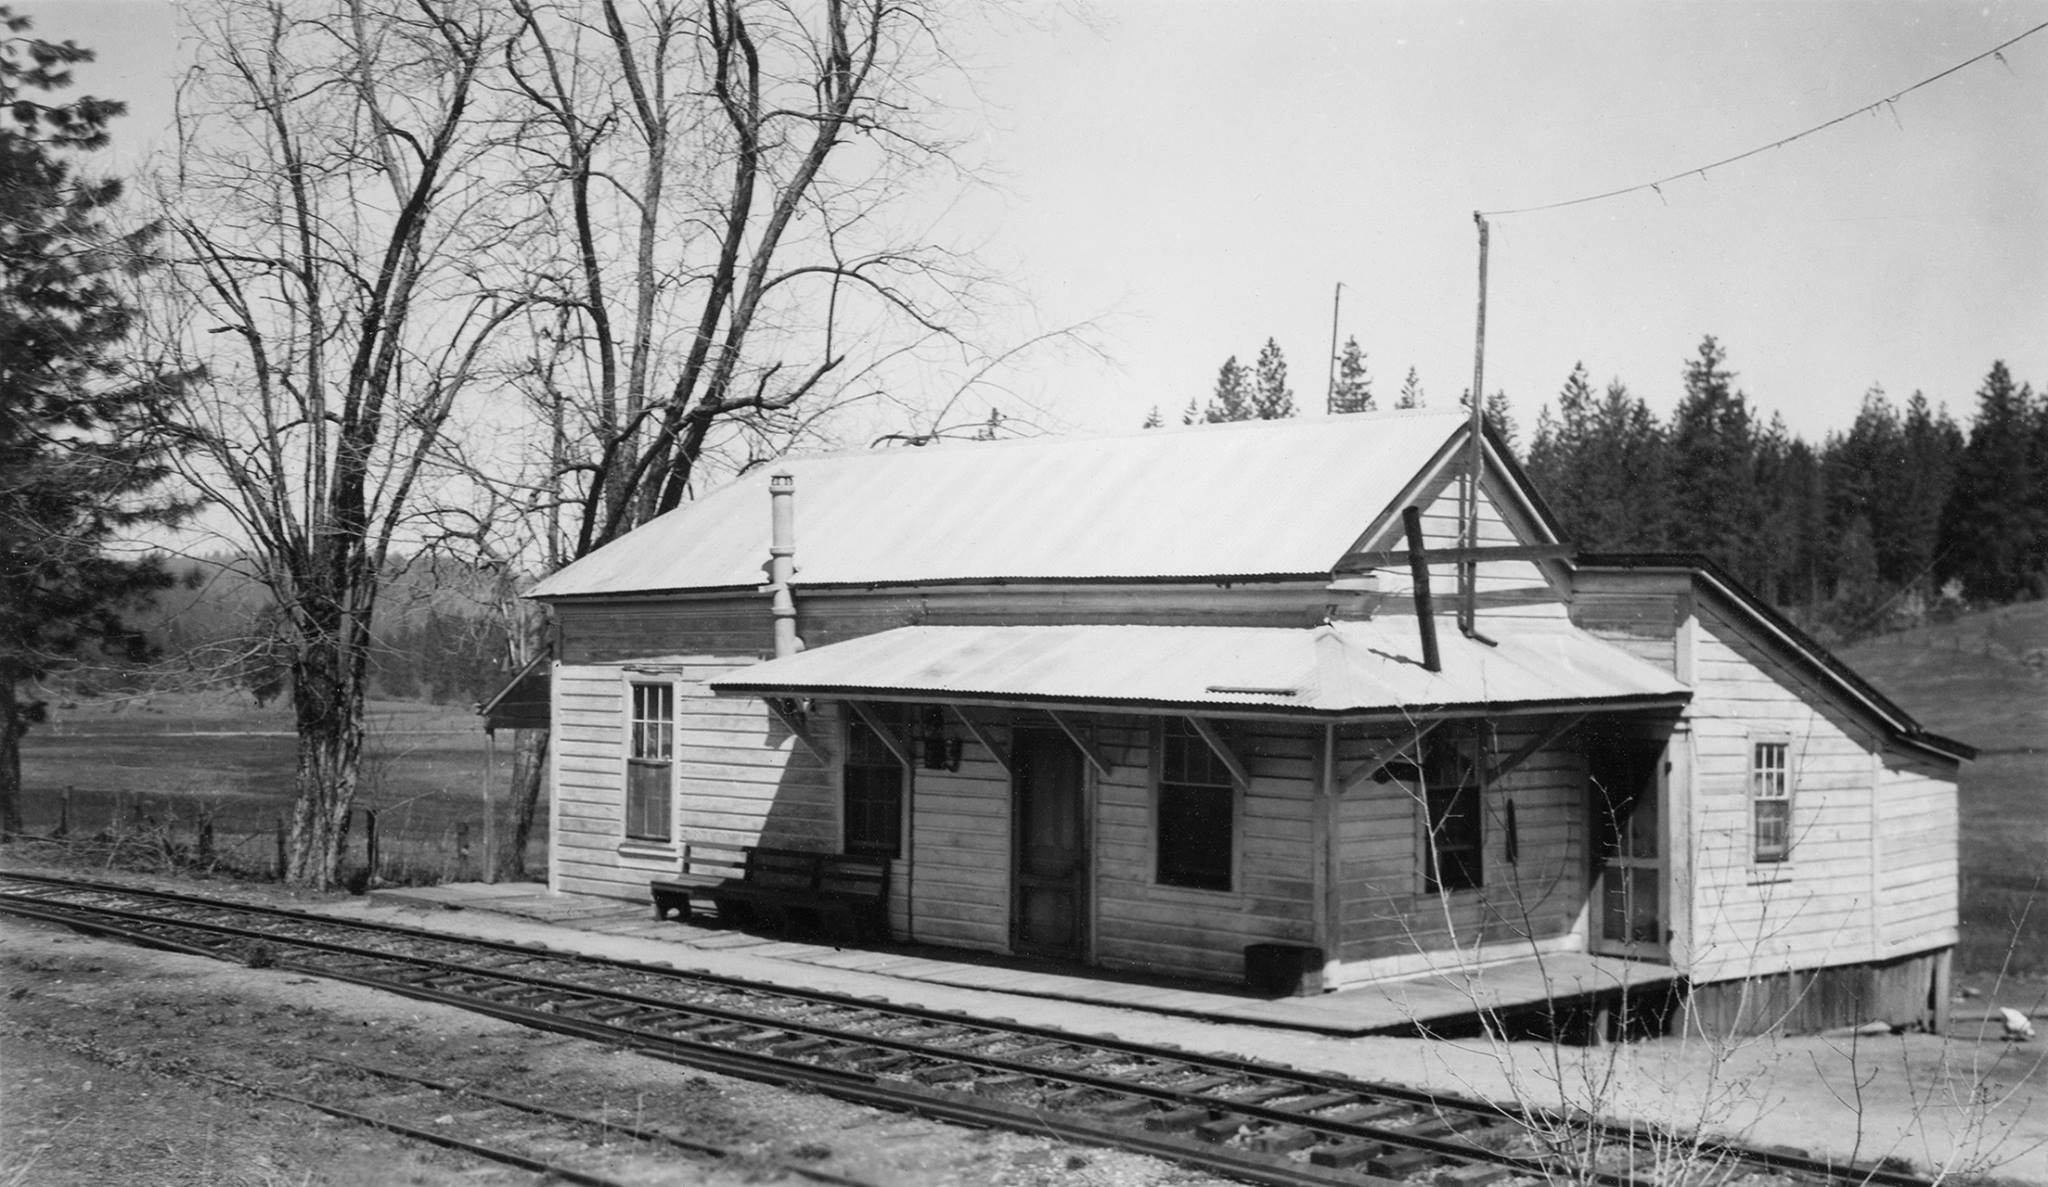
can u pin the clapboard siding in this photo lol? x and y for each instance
(740, 777)
(1387, 924)
(960, 847)
(1822, 906)
(1917, 886)
(1169, 930)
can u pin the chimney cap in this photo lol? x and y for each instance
(782, 480)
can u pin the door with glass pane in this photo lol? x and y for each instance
(1049, 890)
(1625, 789)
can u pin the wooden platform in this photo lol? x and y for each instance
(1443, 1000)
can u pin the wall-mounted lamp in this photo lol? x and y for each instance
(1354, 598)
(938, 751)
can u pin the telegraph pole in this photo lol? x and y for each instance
(1330, 389)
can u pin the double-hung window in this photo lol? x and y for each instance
(1454, 850)
(871, 784)
(1197, 811)
(1770, 799)
(650, 762)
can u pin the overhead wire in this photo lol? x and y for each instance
(1888, 102)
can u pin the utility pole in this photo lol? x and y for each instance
(1468, 526)
(1330, 389)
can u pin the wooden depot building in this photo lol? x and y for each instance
(1287, 702)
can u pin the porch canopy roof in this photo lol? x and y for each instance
(1348, 669)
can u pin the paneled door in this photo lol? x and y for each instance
(1049, 889)
(1625, 790)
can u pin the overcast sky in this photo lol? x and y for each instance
(1201, 175)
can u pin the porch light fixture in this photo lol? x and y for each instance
(937, 750)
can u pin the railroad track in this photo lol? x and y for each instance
(1246, 1119)
(608, 1148)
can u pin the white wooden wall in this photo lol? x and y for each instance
(1873, 863)
(1390, 926)
(742, 778)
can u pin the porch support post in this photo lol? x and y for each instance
(1527, 750)
(1329, 859)
(1222, 750)
(1363, 771)
(882, 731)
(1081, 742)
(986, 739)
(791, 721)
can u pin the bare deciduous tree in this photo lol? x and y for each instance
(336, 232)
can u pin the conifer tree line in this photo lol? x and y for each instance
(1897, 516)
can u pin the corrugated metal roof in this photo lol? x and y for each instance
(1345, 668)
(1258, 498)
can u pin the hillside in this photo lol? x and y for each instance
(1984, 679)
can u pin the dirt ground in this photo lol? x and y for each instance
(1967, 1105)
(106, 1052)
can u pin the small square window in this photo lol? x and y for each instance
(1770, 797)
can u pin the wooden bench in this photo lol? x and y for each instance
(783, 889)
(706, 864)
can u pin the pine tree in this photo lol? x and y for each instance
(79, 466)
(1715, 509)
(1411, 392)
(1353, 392)
(1232, 399)
(1272, 399)
(1930, 447)
(1994, 528)
(1192, 414)
(1152, 419)
(1500, 420)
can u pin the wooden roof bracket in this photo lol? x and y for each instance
(792, 719)
(895, 744)
(987, 739)
(1222, 750)
(1370, 767)
(1527, 750)
(1087, 748)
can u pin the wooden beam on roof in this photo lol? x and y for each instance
(1527, 750)
(1081, 742)
(881, 730)
(1222, 750)
(1393, 558)
(987, 739)
(1365, 770)
(792, 720)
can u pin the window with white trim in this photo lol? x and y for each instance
(650, 761)
(1197, 829)
(1770, 799)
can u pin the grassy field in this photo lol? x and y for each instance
(1983, 679)
(154, 767)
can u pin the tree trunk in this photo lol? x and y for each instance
(13, 724)
(529, 775)
(327, 697)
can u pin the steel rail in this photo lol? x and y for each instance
(762, 1066)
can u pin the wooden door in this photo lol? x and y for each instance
(1049, 888)
(1625, 791)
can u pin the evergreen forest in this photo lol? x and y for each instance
(1902, 516)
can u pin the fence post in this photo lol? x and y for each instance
(370, 841)
(64, 813)
(461, 847)
(280, 848)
